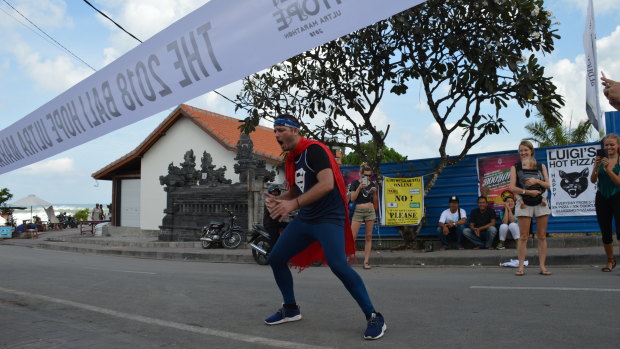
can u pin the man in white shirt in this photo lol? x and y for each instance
(451, 224)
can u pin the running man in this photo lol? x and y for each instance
(317, 189)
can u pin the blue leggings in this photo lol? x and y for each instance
(297, 236)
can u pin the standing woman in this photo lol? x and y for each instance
(529, 179)
(607, 202)
(364, 194)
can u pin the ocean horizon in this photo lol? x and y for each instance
(70, 209)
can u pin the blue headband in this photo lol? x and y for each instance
(285, 122)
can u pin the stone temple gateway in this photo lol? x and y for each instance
(196, 197)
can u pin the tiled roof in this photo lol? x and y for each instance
(224, 129)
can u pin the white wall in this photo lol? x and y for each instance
(181, 137)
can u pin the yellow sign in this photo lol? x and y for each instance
(403, 200)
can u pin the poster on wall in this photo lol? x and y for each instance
(569, 169)
(403, 201)
(494, 178)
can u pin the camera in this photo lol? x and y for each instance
(365, 180)
(601, 152)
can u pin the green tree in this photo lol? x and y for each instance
(81, 215)
(545, 135)
(389, 154)
(5, 195)
(470, 57)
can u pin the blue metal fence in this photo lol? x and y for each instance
(461, 179)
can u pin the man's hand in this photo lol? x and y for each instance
(279, 209)
(612, 92)
(446, 231)
(477, 232)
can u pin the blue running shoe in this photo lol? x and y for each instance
(284, 315)
(376, 327)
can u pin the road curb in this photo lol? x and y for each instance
(382, 259)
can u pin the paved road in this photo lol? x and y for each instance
(51, 299)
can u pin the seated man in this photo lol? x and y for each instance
(451, 222)
(482, 230)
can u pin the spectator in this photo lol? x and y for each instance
(451, 223)
(607, 202)
(94, 214)
(364, 193)
(530, 179)
(482, 230)
(509, 223)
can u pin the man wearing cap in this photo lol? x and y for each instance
(451, 224)
(320, 231)
(482, 230)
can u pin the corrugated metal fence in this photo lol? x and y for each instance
(462, 180)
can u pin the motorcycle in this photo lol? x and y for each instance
(218, 233)
(67, 221)
(261, 243)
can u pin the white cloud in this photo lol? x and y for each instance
(421, 106)
(54, 166)
(52, 74)
(218, 104)
(569, 76)
(142, 18)
(50, 13)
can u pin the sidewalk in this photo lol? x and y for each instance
(563, 251)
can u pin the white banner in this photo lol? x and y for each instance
(593, 106)
(219, 43)
(572, 194)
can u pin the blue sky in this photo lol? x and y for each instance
(33, 71)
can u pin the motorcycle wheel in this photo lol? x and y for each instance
(205, 244)
(260, 258)
(231, 240)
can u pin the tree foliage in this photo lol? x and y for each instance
(474, 50)
(389, 154)
(545, 135)
(5, 195)
(81, 215)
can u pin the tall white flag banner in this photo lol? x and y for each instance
(219, 43)
(572, 194)
(593, 106)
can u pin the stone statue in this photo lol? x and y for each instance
(209, 175)
(248, 161)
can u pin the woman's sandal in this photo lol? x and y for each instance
(611, 261)
(367, 266)
(520, 273)
(544, 272)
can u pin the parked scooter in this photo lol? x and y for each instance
(216, 233)
(67, 221)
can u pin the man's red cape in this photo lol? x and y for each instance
(314, 252)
